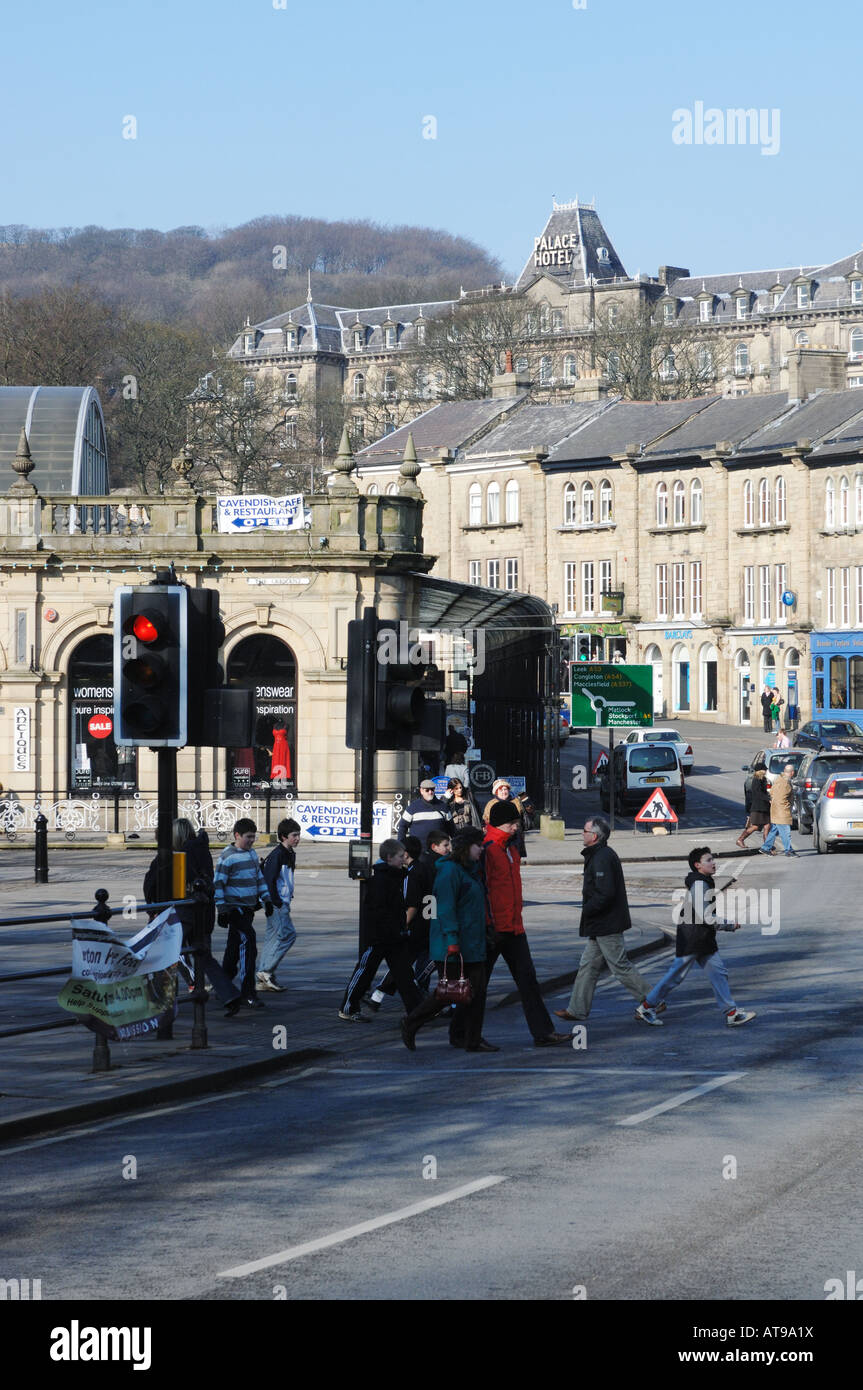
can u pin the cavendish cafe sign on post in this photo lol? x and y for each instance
(607, 696)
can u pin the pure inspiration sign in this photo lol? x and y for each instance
(237, 515)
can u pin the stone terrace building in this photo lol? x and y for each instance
(746, 326)
(668, 532)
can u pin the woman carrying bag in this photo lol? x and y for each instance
(461, 808)
(457, 943)
(758, 817)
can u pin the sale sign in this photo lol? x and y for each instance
(100, 726)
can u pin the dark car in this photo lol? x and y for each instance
(810, 777)
(829, 733)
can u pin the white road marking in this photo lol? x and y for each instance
(551, 1071)
(284, 1080)
(295, 1252)
(682, 1098)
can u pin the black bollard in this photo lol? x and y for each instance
(41, 869)
(101, 1052)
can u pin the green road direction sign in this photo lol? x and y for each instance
(608, 696)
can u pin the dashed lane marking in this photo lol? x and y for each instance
(682, 1098)
(309, 1247)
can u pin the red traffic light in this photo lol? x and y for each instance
(145, 629)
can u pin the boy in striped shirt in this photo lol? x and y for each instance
(239, 885)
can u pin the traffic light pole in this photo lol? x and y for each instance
(166, 761)
(367, 752)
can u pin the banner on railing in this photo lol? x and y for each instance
(123, 989)
(340, 819)
(236, 515)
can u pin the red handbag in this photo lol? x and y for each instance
(454, 991)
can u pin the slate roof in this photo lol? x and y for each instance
(830, 288)
(449, 425)
(328, 327)
(535, 427)
(627, 422)
(571, 219)
(819, 417)
(729, 418)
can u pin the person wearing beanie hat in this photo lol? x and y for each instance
(508, 939)
(502, 792)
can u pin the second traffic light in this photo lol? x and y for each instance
(394, 713)
(150, 667)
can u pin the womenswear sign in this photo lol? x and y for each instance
(236, 515)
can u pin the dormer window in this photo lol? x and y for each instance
(742, 306)
(668, 313)
(421, 333)
(291, 339)
(857, 291)
(248, 342)
(359, 340)
(777, 295)
(602, 254)
(802, 296)
(704, 311)
(390, 335)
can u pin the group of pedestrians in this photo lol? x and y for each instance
(771, 811)
(235, 889)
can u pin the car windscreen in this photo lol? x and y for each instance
(832, 728)
(655, 759)
(852, 788)
(778, 761)
(661, 736)
(822, 767)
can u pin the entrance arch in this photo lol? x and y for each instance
(654, 656)
(265, 665)
(708, 678)
(680, 695)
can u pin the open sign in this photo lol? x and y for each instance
(100, 726)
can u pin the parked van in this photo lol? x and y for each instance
(637, 770)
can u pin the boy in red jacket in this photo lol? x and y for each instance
(506, 929)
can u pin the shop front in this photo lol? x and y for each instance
(96, 764)
(837, 674)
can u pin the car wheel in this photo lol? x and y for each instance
(817, 843)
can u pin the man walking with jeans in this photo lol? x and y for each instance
(278, 870)
(604, 919)
(780, 813)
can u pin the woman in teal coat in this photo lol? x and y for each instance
(457, 928)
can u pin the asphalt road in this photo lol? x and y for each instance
(688, 1161)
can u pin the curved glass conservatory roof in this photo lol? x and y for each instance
(66, 433)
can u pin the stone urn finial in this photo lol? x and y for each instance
(410, 469)
(23, 465)
(343, 484)
(182, 465)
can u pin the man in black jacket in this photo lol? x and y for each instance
(383, 935)
(426, 812)
(604, 919)
(418, 902)
(696, 941)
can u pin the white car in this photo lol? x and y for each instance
(684, 749)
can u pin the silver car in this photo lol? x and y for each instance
(837, 818)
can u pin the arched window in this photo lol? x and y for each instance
(667, 367)
(544, 371)
(389, 385)
(612, 369)
(764, 503)
(662, 505)
(511, 500)
(830, 504)
(570, 367)
(696, 502)
(780, 504)
(569, 505)
(474, 505)
(802, 339)
(290, 387)
(492, 504)
(606, 506)
(359, 386)
(844, 501)
(587, 512)
(679, 503)
(855, 344)
(262, 663)
(748, 504)
(741, 358)
(704, 362)
(392, 489)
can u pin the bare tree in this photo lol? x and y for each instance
(645, 359)
(238, 433)
(56, 337)
(465, 348)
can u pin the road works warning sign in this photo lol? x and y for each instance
(656, 810)
(601, 761)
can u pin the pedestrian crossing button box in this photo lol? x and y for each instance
(359, 859)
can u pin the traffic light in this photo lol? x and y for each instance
(150, 670)
(583, 646)
(399, 716)
(206, 636)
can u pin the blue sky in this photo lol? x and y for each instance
(244, 110)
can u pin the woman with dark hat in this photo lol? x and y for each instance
(457, 934)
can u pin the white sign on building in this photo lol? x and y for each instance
(237, 515)
(335, 820)
(21, 738)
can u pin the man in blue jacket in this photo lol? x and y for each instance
(278, 870)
